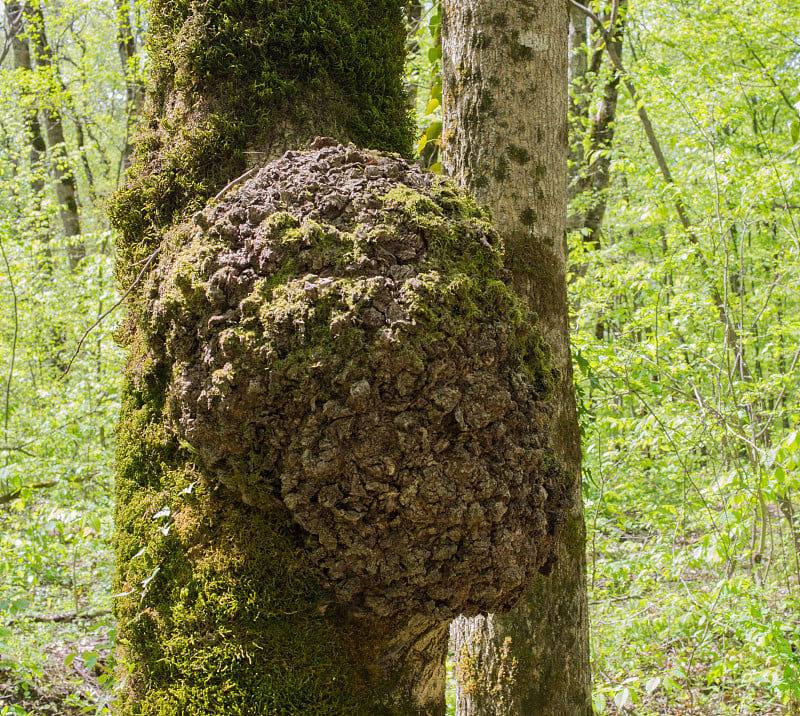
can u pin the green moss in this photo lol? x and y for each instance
(230, 76)
(222, 613)
(468, 279)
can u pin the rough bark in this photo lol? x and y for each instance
(223, 610)
(505, 138)
(60, 169)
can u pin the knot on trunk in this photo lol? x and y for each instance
(344, 344)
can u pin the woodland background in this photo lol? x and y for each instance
(685, 267)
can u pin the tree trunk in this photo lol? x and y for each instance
(66, 189)
(221, 611)
(15, 19)
(134, 87)
(505, 138)
(595, 178)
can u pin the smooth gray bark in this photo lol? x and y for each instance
(505, 70)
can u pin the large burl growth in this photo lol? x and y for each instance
(344, 346)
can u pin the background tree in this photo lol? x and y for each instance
(505, 138)
(65, 184)
(129, 15)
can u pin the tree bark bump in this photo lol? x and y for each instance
(239, 425)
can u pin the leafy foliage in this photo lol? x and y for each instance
(58, 419)
(686, 338)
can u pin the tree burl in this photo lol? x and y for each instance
(344, 345)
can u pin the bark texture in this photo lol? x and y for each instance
(306, 381)
(505, 132)
(343, 345)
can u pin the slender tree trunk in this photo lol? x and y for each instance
(505, 138)
(596, 177)
(413, 12)
(580, 95)
(66, 188)
(15, 20)
(222, 612)
(134, 87)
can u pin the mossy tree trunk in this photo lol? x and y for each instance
(505, 66)
(221, 611)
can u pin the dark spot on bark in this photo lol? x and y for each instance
(528, 217)
(520, 155)
(500, 20)
(481, 40)
(486, 102)
(539, 172)
(520, 53)
(500, 172)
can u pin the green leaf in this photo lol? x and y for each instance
(622, 698)
(433, 105)
(795, 130)
(434, 131)
(19, 605)
(652, 684)
(434, 54)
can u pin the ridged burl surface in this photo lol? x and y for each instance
(344, 345)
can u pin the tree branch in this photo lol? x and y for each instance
(113, 308)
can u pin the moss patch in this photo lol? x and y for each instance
(223, 613)
(232, 77)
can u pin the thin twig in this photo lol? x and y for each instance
(236, 181)
(13, 343)
(109, 311)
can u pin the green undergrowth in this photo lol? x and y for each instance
(56, 453)
(684, 620)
